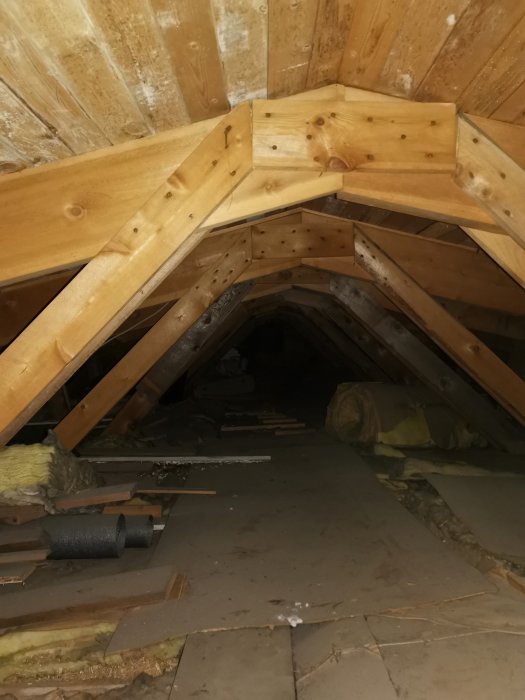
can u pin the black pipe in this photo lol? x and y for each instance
(139, 530)
(85, 536)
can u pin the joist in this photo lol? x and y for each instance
(172, 365)
(96, 496)
(128, 268)
(423, 362)
(345, 136)
(492, 178)
(152, 346)
(466, 349)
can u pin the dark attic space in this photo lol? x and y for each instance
(262, 350)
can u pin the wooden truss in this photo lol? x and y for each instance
(162, 197)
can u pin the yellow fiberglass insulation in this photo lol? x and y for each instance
(396, 415)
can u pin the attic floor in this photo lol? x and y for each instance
(308, 580)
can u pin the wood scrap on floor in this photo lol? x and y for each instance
(63, 600)
(159, 490)
(96, 496)
(16, 573)
(24, 555)
(18, 515)
(182, 460)
(134, 507)
(257, 426)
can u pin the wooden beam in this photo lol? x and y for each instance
(423, 362)
(344, 136)
(492, 178)
(279, 240)
(128, 268)
(502, 249)
(467, 350)
(445, 270)
(152, 346)
(435, 196)
(172, 365)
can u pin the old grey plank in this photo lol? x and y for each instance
(339, 660)
(236, 665)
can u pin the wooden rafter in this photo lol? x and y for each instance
(133, 263)
(152, 346)
(176, 361)
(465, 348)
(422, 361)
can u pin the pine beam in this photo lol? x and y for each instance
(172, 365)
(466, 349)
(152, 346)
(344, 136)
(126, 270)
(434, 196)
(492, 178)
(423, 363)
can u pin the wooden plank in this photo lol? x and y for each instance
(451, 271)
(26, 71)
(511, 109)
(26, 132)
(189, 36)
(375, 26)
(270, 241)
(134, 509)
(478, 32)
(15, 573)
(135, 44)
(290, 36)
(435, 196)
(504, 250)
(467, 350)
(492, 178)
(63, 600)
(159, 490)
(66, 34)
(96, 496)
(133, 263)
(423, 362)
(273, 188)
(332, 23)
(152, 346)
(241, 27)
(463, 273)
(177, 360)
(23, 555)
(20, 538)
(17, 515)
(416, 44)
(344, 136)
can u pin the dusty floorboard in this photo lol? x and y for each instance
(311, 535)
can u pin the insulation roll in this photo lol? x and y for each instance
(85, 536)
(139, 530)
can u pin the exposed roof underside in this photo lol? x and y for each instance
(165, 226)
(78, 75)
